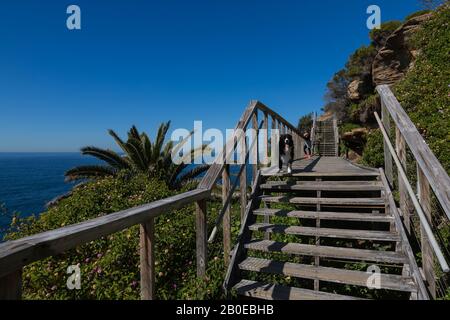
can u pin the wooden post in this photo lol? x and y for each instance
(406, 207)
(387, 155)
(11, 286)
(316, 258)
(201, 229)
(274, 144)
(147, 260)
(243, 178)
(227, 215)
(255, 146)
(424, 191)
(266, 139)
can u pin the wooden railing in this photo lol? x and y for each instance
(313, 134)
(16, 254)
(431, 179)
(336, 135)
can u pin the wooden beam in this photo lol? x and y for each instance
(266, 140)
(11, 286)
(428, 262)
(406, 206)
(239, 252)
(274, 143)
(147, 260)
(227, 215)
(201, 236)
(414, 269)
(387, 155)
(243, 178)
(18, 253)
(436, 175)
(255, 147)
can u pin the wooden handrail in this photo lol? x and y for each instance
(214, 172)
(229, 196)
(430, 176)
(17, 253)
(415, 272)
(426, 160)
(423, 219)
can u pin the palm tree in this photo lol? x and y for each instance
(140, 155)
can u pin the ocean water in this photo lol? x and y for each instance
(29, 180)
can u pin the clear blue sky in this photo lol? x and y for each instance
(144, 62)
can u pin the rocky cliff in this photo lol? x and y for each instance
(397, 56)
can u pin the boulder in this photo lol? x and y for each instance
(354, 90)
(397, 56)
(355, 139)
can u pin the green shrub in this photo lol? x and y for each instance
(379, 36)
(110, 265)
(424, 92)
(417, 14)
(347, 127)
(373, 154)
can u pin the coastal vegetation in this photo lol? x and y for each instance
(421, 83)
(110, 266)
(144, 173)
(140, 155)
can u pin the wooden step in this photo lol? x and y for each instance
(323, 186)
(366, 202)
(315, 174)
(342, 276)
(326, 232)
(265, 291)
(339, 216)
(327, 252)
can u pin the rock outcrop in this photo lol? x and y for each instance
(355, 139)
(397, 56)
(354, 90)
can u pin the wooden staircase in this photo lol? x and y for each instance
(308, 237)
(326, 138)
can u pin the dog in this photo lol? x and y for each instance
(286, 148)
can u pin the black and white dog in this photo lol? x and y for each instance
(286, 148)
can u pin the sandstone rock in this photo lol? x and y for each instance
(397, 56)
(355, 139)
(354, 90)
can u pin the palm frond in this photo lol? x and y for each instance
(89, 172)
(134, 133)
(160, 137)
(109, 156)
(118, 141)
(135, 152)
(146, 147)
(193, 173)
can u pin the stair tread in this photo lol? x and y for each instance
(326, 232)
(326, 251)
(343, 276)
(336, 201)
(299, 172)
(266, 291)
(324, 185)
(347, 216)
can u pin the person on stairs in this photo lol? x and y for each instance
(308, 147)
